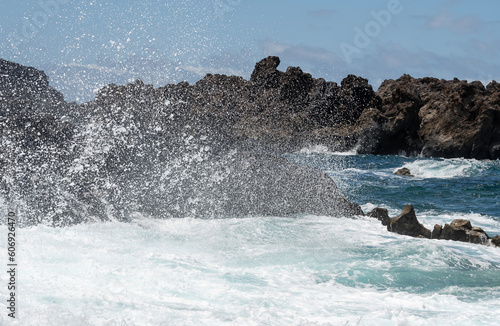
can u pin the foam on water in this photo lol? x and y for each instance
(446, 168)
(306, 270)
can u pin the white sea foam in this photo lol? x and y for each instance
(430, 218)
(445, 168)
(307, 270)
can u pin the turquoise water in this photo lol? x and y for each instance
(301, 270)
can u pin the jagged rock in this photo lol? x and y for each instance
(496, 241)
(407, 224)
(461, 224)
(456, 234)
(477, 237)
(404, 172)
(459, 230)
(18, 82)
(462, 230)
(436, 232)
(166, 152)
(434, 118)
(266, 74)
(381, 214)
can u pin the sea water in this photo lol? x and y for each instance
(267, 270)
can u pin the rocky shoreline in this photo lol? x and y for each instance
(407, 223)
(221, 141)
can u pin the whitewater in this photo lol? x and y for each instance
(268, 270)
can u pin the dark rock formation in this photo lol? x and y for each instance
(380, 214)
(404, 172)
(459, 230)
(283, 110)
(407, 224)
(213, 148)
(434, 118)
(452, 233)
(289, 110)
(20, 83)
(462, 230)
(174, 151)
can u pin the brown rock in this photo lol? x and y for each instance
(496, 241)
(404, 172)
(461, 224)
(381, 214)
(439, 118)
(450, 233)
(478, 237)
(436, 232)
(407, 224)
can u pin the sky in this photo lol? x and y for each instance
(85, 45)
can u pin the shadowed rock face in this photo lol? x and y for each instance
(436, 118)
(283, 110)
(165, 152)
(291, 109)
(407, 224)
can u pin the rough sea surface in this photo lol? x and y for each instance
(301, 270)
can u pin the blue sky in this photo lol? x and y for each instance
(84, 45)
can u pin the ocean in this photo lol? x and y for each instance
(269, 270)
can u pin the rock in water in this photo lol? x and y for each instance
(381, 214)
(462, 230)
(404, 172)
(407, 224)
(166, 152)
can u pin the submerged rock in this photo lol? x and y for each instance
(404, 172)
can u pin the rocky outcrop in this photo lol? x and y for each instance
(380, 214)
(283, 110)
(407, 224)
(163, 152)
(20, 83)
(213, 148)
(461, 230)
(458, 230)
(404, 172)
(291, 109)
(434, 118)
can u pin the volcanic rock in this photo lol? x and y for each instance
(434, 118)
(381, 214)
(407, 224)
(175, 151)
(404, 172)
(456, 234)
(436, 232)
(496, 240)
